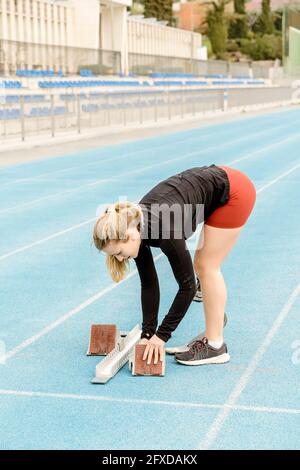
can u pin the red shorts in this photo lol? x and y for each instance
(242, 196)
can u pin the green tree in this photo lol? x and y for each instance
(239, 6)
(266, 18)
(278, 14)
(159, 9)
(217, 24)
(238, 24)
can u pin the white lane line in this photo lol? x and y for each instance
(283, 175)
(51, 237)
(68, 315)
(150, 167)
(218, 422)
(266, 409)
(178, 404)
(128, 154)
(230, 404)
(76, 310)
(46, 239)
(106, 398)
(75, 227)
(113, 159)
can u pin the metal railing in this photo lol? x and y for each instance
(50, 115)
(16, 55)
(143, 64)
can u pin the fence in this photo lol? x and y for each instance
(142, 64)
(21, 55)
(38, 115)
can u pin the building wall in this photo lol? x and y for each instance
(36, 21)
(86, 23)
(57, 23)
(105, 25)
(191, 15)
(147, 38)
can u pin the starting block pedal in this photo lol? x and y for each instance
(103, 339)
(140, 367)
(115, 360)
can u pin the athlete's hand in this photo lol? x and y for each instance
(155, 346)
(143, 341)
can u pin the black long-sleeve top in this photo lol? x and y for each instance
(192, 196)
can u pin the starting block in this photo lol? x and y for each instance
(104, 339)
(117, 357)
(140, 367)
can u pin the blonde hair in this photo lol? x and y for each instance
(115, 224)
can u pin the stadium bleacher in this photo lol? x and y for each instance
(86, 73)
(140, 83)
(86, 78)
(36, 90)
(39, 73)
(10, 84)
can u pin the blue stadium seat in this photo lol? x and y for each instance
(168, 83)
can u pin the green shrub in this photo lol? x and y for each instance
(267, 47)
(277, 15)
(232, 46)
(217, 31)
(238, 27)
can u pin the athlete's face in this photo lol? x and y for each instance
(125, 249)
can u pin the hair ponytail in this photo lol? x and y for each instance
(115, 224)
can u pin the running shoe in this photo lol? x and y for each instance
(185, 347)
(201, 353)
